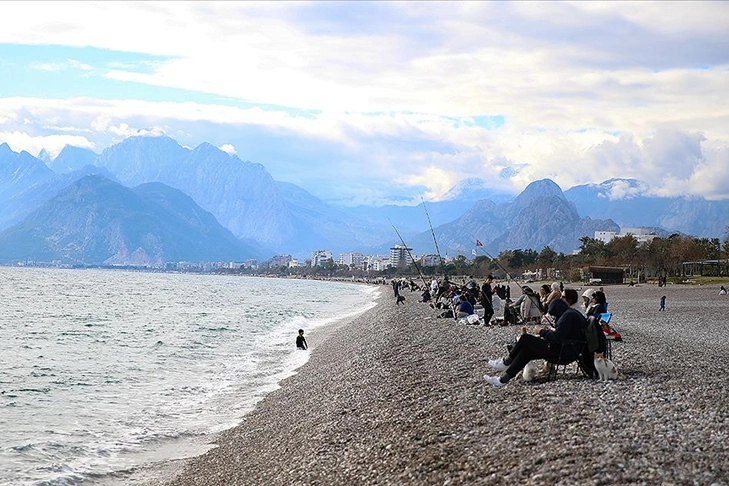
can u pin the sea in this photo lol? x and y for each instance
(103, 372)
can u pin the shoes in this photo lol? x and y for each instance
(498, 364)
(493, 380)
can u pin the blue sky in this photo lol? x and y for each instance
(370, 102)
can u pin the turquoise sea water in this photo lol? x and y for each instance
(100, 369)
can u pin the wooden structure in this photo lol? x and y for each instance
(603, 275)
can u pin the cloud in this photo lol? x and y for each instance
(53, 144)
(389, 99)
(228, 148)
(47, 66)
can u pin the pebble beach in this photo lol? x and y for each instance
(397, 397)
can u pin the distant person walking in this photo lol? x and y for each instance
(301, 341)
(663, 304)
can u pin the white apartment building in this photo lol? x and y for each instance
(430, 260)
(400, 255)
(643, 235)
(280, 261)
(353, 259)
(377, 263)
(318, 257)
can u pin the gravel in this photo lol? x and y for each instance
(397, 396)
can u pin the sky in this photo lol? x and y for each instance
(380, 102)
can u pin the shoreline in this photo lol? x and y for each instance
(396, 396)
(177, 452)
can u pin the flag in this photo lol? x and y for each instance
(473, 252)
(478, 243)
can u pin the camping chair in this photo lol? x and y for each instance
(610, 334)
(571, 352)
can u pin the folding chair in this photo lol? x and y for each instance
(569, 352)
(610, 336)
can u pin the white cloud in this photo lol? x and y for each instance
(228, 148)
(19, 141)
(588, 91)
(47, 66)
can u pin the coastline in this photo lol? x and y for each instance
(396, 396)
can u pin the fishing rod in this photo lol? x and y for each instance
(407, 249)
(442, 266)
(508, 276)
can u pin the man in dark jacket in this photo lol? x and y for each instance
(570, 326)
(486, 296)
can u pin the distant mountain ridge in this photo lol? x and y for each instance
(98, 221)
(632, 209)
(540, 216)
(283, 218)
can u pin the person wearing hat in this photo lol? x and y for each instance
(587, 299)
(598, 304)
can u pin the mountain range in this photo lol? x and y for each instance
(96, 220)
(173, 203)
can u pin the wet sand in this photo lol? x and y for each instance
(397, 396)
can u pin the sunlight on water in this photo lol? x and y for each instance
(98, 367)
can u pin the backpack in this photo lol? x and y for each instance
(594, 336)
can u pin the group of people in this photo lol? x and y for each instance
(569, 326)
(553, 342)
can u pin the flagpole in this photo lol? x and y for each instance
(480, 245)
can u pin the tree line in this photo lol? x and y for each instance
(666, 257)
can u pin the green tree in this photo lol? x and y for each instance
(547, 257)
(593, 251)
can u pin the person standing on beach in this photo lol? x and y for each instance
(487, 300)
(396, 287)
(663, 304)
(301, 341)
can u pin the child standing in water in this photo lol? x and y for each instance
(663, 303)
(301, 341)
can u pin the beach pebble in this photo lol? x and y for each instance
(398, 397)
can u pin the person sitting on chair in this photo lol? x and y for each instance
(528, 305)
(597, 304)
(464, 308)
(570, 326)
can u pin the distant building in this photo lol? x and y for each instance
(400, 256)
(430, 260)
(603, 275)
(643, 235)
(279, 261)
(378, 263)
(605, 236)
(250, 264)
(318, 257)
(353, 259)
